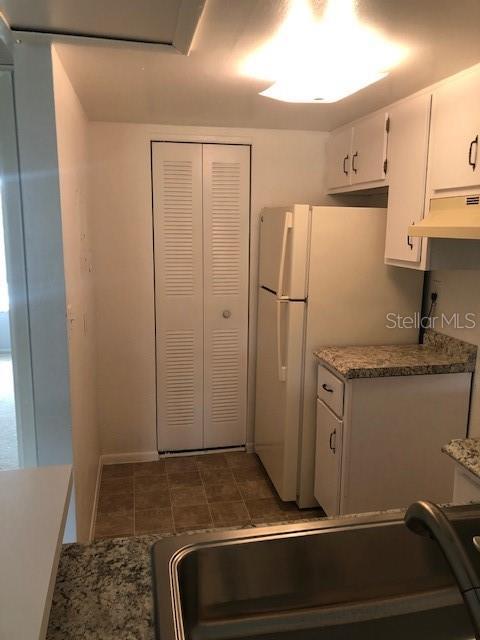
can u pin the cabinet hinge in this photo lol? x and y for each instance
(385, 166)
(387, 124)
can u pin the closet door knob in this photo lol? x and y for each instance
(226, 314)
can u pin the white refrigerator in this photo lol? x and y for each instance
(322, 281)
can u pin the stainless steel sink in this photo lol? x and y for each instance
(358, 577)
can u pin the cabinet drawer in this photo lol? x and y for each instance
(330, 390)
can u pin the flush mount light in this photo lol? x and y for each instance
(328, 89)
(311, 60)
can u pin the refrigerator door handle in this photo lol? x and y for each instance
(282, 369)
(287, 226)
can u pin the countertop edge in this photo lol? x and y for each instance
(457, 450)
(353, 373)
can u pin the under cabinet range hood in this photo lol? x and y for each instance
(453, 217)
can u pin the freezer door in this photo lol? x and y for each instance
(284, 242)
(278, 389)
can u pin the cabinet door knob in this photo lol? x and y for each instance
(345, 160)
(325, 387)
(473, 163)
(226, 314)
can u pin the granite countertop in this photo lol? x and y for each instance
(439, 353)
(104, 591)
(465, 451)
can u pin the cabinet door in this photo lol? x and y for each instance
(178, 251)
(338, 158)
(407, 167)
(328, 457)
(455, 155)
(369, 146)
(226, 219)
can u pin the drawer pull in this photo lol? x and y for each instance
(334, 445)
(473, 163)
(325, 387)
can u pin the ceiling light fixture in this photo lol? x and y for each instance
(311, 60)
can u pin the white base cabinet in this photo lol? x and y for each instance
(384, 452)
(466, 486)
(329, 452)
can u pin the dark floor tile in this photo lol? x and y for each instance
(114, 525)
(149, 468)
(217, 475)
(307, 514)
(188, 496)
(181, 465)
(154, 521)
(117, 470)
(257, 488)
(211, 461)
(184, 479)
(115, 503)
(229, 514)
(270, 509)
(191, 518)
(242, 459)
(152, 499)
(149, 483)
(113, 486)
(242, 474)
(224, 492)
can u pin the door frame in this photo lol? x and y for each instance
(19, 315)
(151, 139)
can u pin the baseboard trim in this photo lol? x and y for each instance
(95, 499)
(123, 458)
(150, 456)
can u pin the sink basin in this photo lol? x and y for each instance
(346, 578)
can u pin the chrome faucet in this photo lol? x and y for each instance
(427, 519)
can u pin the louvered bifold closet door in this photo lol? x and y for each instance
(226, 214)
(178, 231)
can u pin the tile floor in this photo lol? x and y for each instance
(185, 493)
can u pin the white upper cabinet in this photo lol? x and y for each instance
(407, 168)
(455, 154)
(356, 155)
(369, 149)
(339, 158)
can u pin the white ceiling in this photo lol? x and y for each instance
(135, 84)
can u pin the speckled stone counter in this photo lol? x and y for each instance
(438, 354)
(103, 590)
(466, 452)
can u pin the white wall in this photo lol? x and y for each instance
(73, 162)
(42, 226)
(287, 167)
(459, 292)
